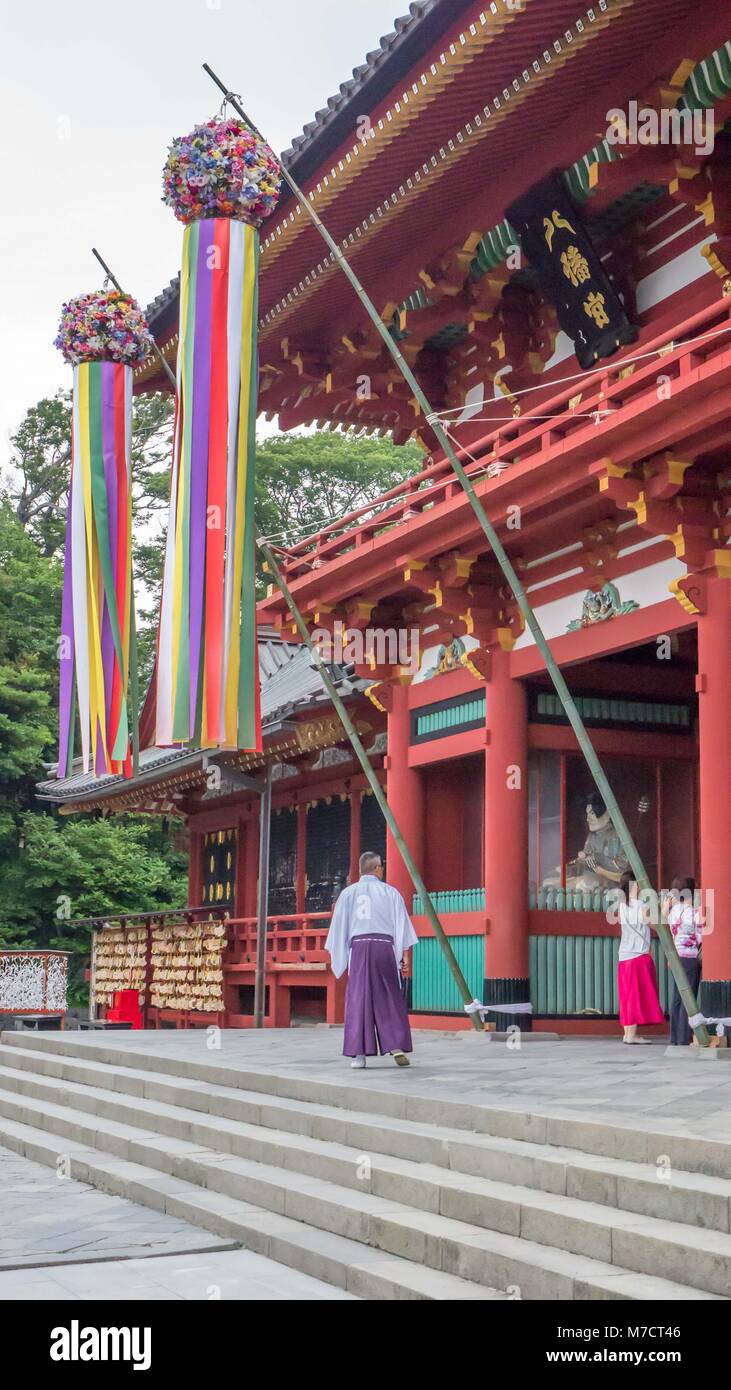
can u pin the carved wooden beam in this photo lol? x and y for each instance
(665, 474)
(599, 544)
(455, 568)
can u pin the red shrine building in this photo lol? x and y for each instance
(538, 200)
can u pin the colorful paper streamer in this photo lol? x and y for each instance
(207, 668)
(97, 630)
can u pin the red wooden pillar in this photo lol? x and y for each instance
(280, 1006)
(246, 896)
(335, 998)
(506, 842)
(714, 728)
(405, 793)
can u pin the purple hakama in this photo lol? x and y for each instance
(376, 1018)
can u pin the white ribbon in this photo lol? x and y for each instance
(476, 1007)
(721, 1023)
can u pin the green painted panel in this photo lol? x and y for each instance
(551, 983)
(709, 81)
(561, 970)
(663, 975)
(610, 954)
(432, 986)
(578, 974)
(617, 711)
(543, 963)
(453, 717)
(579, 981)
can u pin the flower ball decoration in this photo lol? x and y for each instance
(221, 169)
(105, 326)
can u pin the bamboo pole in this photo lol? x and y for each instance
(373, 782)
(600, 778)
(158, 351)
(365, 763)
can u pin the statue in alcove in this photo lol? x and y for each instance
(602, 861)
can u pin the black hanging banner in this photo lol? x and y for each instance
(560, 250)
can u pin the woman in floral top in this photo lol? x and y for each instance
(685, 921)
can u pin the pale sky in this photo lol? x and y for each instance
(91, 93)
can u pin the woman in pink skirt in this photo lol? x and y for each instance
(636, 978)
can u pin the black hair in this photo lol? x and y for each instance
(625, 882)
(597, 804)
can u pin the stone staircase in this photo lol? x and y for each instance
(387, 1195)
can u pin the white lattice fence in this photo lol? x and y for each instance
(33, 982)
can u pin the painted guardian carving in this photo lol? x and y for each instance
(598, 607)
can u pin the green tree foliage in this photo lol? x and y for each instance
(303, 481)
(53, 867)
(40, 458)
(29, 606)
(84, 867)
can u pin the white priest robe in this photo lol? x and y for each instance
(366, 907)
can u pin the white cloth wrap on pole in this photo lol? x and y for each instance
(476, 1007)
(722, 1023)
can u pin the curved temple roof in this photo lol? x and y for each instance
(411, 37)
(468, 104)
(290, 685)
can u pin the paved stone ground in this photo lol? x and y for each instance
(221, 1275)
(52, 1228)
(229, 1275)
(45, 1217)
(598, 1076)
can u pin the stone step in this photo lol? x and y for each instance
(645, 1189)
(640, 1141)
(505, 1228)
(366, 1272)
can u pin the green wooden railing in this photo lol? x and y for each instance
(571, 899)
(578, 974)
(542, 899)
(432, 986)
(452, 900)
(569, 975)
(545, 899)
